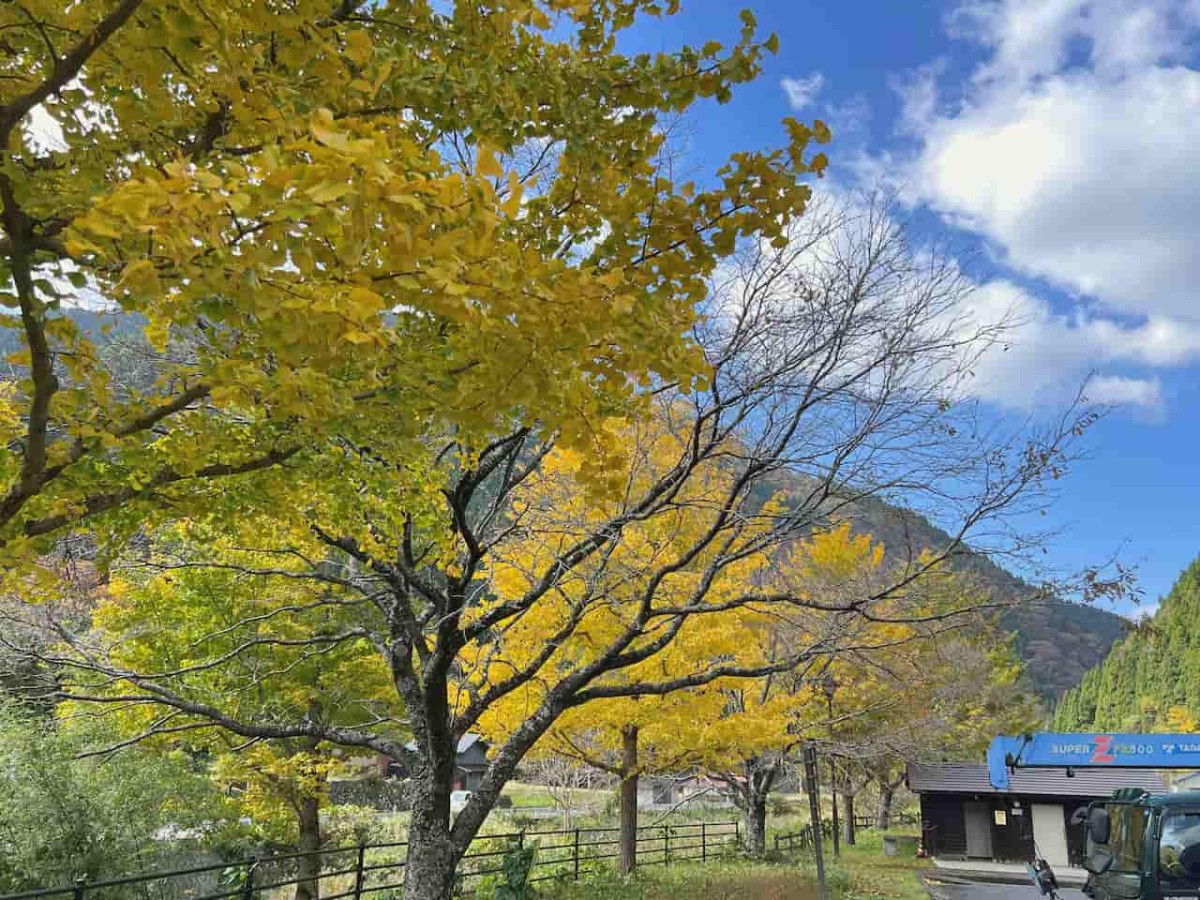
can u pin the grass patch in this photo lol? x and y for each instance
(527, 796)
(862, 873)
(721, 881)
(868, 873)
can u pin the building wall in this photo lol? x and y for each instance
(1012, 840)
(943, 825)
(468, 778)
(1010, 823)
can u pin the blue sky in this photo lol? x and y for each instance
(1053, 141)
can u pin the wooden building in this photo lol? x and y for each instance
(469, 764)
(964, 817)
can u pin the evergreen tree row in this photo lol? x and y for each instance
(1150, 681)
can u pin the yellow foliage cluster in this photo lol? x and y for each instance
(366, 220)
(269, 785)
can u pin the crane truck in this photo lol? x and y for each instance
(1140, 846)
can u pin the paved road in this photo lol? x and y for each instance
(946, 891)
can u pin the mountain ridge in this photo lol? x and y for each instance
(1059, 640)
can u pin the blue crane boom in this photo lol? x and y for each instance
(1137, 751)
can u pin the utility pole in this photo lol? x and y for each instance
(814, 815)
(830, 686)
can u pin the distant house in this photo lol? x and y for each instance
(964, 817)
(471, 762)
(665, 791)
(468, 767)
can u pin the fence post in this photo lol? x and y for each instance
(737, 833)
(248, 886)
(666, 845)
(703, 841)
(575, 853)
(358, 871)
(80, 887)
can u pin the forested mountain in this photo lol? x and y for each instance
(1059, 641)
(1151, 680)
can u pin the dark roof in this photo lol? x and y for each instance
(969, 778)
(465, 743)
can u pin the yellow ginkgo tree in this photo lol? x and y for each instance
(509, 577)
(235, 646)
(307, 220)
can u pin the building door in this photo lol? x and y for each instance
(978, 818)
(1012, 837)
(1050, 834)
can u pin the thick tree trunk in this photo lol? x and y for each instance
(883, 816)
(432, 855)
(754, 817)
(436, 844)
(432, 859)
(627, 848)
(308, 866)
(848, 834)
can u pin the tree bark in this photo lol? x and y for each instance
(848, 833)
(432, 857)
(754, 816)
(751, 799)
(627, 849)
(883, 816)
(308, 865)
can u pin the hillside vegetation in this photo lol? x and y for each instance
(1058, 640)
(1151, 680)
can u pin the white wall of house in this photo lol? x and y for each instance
(1050, 833)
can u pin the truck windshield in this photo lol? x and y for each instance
(1179, 850)
(1125, 841)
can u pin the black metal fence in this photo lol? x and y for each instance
(862, 822)
(802, 838)
(377, 870)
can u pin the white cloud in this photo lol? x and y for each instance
(1045, 356)
(1090, 185)
(43, 131)
(848, 118)
(1072, 149)
(802, 92)
(1117, 390)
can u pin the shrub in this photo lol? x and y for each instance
(512, 883)
(346, 824)
(778, 806)
(62, 817)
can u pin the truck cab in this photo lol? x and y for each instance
(1144, 847)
